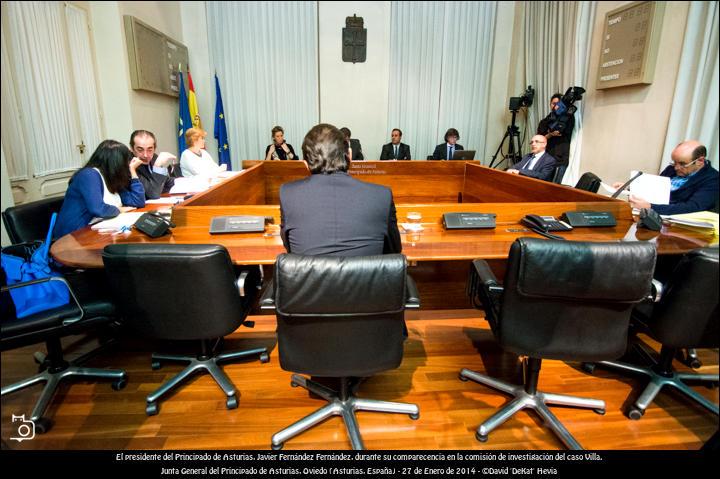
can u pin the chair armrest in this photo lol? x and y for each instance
(66, 322)
(657, 289)
(483, 287)
(240, 283)
(412, 296)
(267, 300)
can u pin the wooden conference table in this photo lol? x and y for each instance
(439, 259)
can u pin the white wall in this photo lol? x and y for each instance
(625, 127)
(356, 95)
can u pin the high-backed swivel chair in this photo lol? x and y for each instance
(30, 221)
(50, 327)
(685, 316)
(340, 317)
(183, 292)
(562, 300)
(589, 182)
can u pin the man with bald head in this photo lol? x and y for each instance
(694, 183)
(538, 163)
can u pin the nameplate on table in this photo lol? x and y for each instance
(237, 224)
(468, 221)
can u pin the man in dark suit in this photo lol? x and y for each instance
(694, 183)
(536, 164)
(331, 213)
(395, 150)
(445, 151)
(354, 150)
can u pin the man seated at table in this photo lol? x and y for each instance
(694, 183)
(536, 164)
(331, 213)
(395, 150)
(158, 171)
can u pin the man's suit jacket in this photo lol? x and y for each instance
(699, 193)
(338, 215)
(440, 152)
(357, 154)
(543, 169)
(389, 150)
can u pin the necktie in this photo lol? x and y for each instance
(396, 151)
(450, 153)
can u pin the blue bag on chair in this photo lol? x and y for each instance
(37, 297)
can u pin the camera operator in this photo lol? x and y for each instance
(557, 128)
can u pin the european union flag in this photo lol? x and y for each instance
(184, 119)
(220, 129)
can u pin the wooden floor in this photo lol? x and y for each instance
(93, 416)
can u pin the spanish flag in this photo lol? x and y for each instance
(192, 103)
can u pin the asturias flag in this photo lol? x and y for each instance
(192, 103)
(221, 129)
(184, 121)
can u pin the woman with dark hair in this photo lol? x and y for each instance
(279, 149)
(445, 151)
(101, 188)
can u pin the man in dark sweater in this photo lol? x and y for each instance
(694, 184)
(158, 171)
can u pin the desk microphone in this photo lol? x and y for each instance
(627, 183)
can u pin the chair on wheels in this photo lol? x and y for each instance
(51, 326)
(559, 174)
(30, 221)
(583, 312)
(685, 316)
(589, 182)
(340, 317)
(183, 292)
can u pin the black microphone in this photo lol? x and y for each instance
(626, 184)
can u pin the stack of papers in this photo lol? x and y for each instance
(702, 220)
(167, 200)
(193, 184)
(123, 221)
(654, 189)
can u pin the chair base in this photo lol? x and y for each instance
(658, 381)
(52, 377)
(202, 364)
(338, 407)
(538, 402)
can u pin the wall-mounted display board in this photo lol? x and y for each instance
(630, 44)
(154, 58)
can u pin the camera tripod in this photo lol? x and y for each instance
(513, 134)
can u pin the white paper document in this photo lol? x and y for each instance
(123, 220)
(654, 189)
(612, 190)
(167, 200)
(193, 184)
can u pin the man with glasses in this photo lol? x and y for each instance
(536, 164)
(694, 183)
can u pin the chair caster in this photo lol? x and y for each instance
(155, 365)
(151, 409)
(481, 437)
(635, 413)
(277, 447)
(43, 425)
(599, 411)
(264, 358)
(293, 384)
(695, 363)
(462, 378)
(589, 367)
(414, 417)
(231, 402)
(119, 384)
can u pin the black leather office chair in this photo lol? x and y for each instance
(558, 174)
(340, 317)
(30, 221)
(589, 182)
(685, 316)
(562, 300)
(183, 292)
(50, 326)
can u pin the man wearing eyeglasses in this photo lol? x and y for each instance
(694, 183)
(538, 163)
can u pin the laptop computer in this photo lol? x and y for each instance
(464, 155)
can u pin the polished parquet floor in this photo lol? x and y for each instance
(90, 415)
